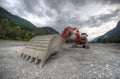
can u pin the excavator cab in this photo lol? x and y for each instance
(80, 39)
(84, 36)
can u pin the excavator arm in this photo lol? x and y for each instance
(66, 33)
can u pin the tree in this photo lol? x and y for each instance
(5, 25)
(18, 32)
(0, 31)
(27, 35)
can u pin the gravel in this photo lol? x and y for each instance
(101, 61)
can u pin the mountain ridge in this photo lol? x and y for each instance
(112, 36)
(17, 28)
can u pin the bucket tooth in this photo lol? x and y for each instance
(32, 59)
(42, 64)
(40, 48)
(21, 55)
(27, 58)
(24, 56)
(36, 61)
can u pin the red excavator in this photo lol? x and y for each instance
(74, 35)
(40, 48)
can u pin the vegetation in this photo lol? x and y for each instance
(112, 39)
(7, 31)
(13, 27)
(112, 36)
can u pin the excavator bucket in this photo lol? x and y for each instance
(41, 47)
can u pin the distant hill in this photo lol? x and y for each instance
(112, 36)
(16, 28)
(95, 39)
(16, 20)
(49, 30)
(113, 32)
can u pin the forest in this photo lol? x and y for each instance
(112, 39)
(15, 31)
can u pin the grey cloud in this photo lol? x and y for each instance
(108, 17)
(93, 21)
(38, 7)
(96, 21)
(58, 5)
(111, 1)
(30, 5)
(115, 1)
(61, 21)
(54, 9)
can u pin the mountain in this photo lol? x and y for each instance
(112, 35)
(113, 32)
(49, 30)
(13, 27)
(16, 20)
(95, 39)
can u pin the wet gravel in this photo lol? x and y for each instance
(101, 61)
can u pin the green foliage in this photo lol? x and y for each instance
(16, 28)
(112, 39)
(4, 26)
(17, 32)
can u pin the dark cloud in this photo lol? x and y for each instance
(93, 21)
(115, 1)
(30, 5)
(111, 1)
(96, 21)
(60, 13)
(63, 12)
(110, 16)
(58, 5)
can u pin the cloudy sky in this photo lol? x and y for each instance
(95, 17)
